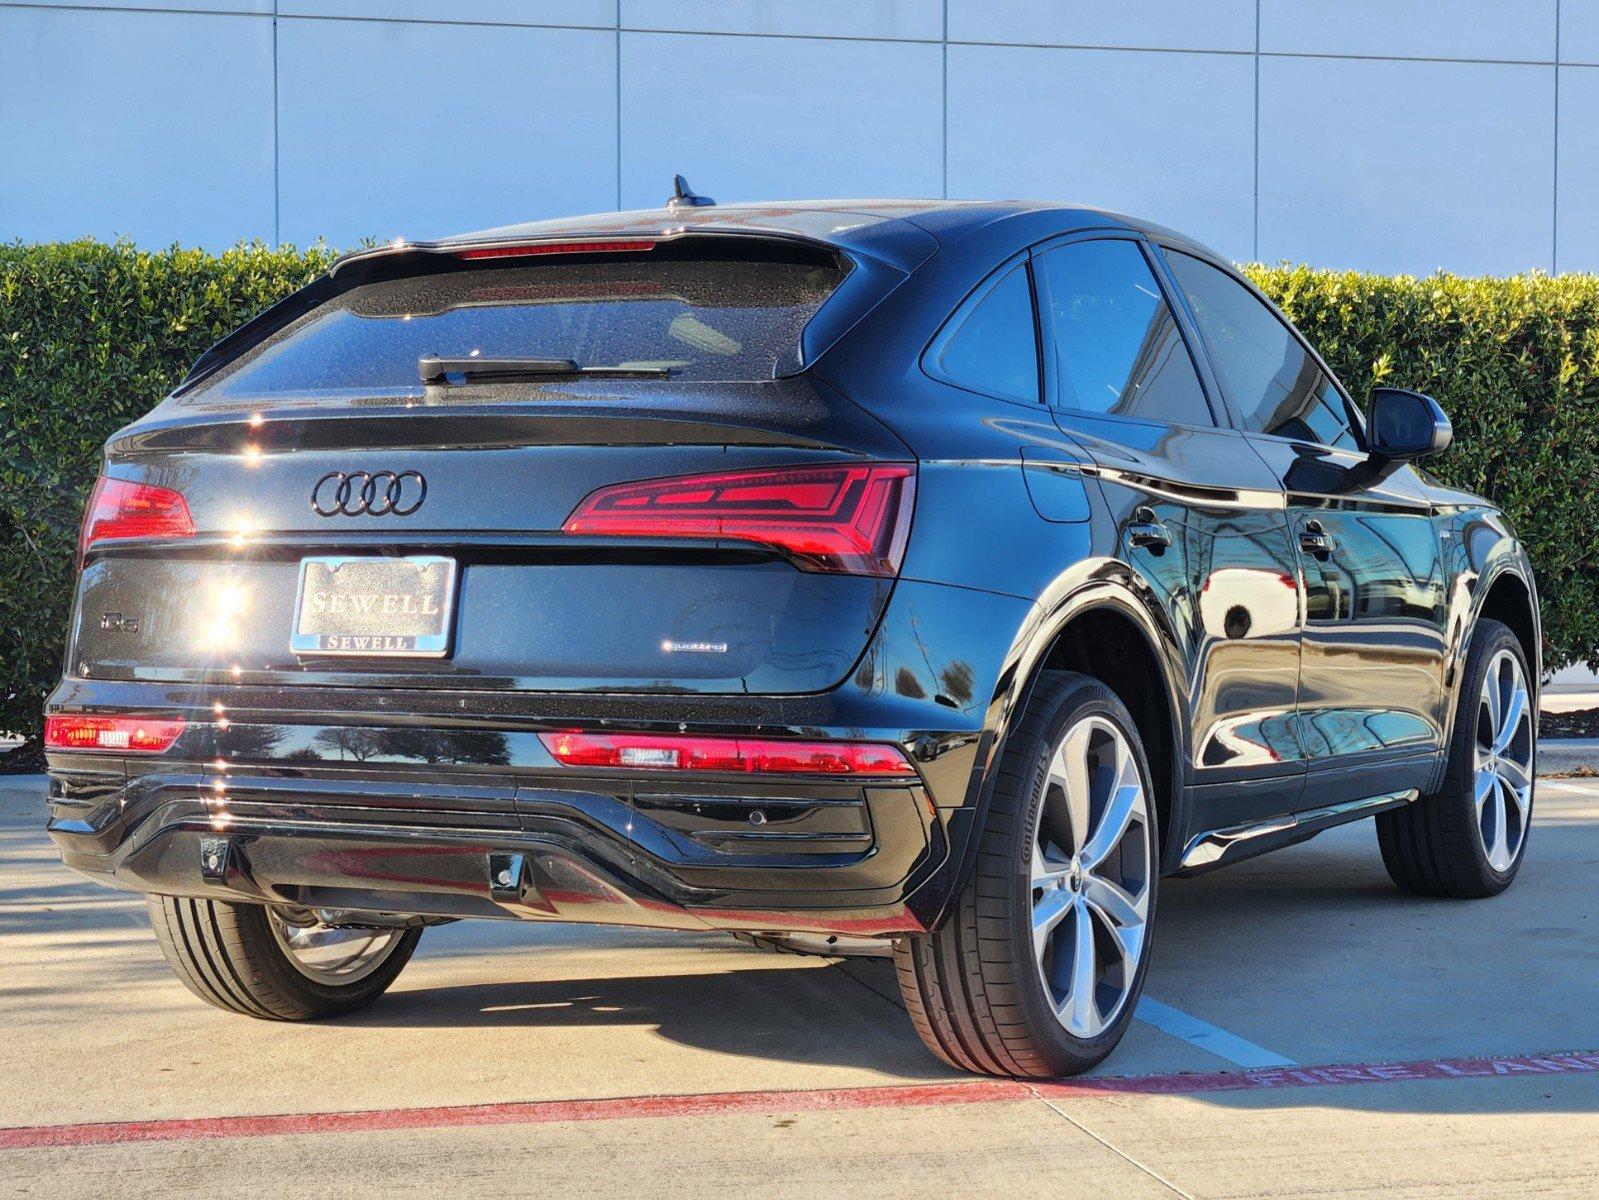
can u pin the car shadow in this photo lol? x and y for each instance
(839, 1014)
(1311, 954)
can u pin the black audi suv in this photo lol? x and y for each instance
(923, 578)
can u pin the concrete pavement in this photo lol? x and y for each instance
(1308, 956)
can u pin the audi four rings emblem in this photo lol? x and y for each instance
(372, 493)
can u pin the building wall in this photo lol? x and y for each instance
(1394, 135)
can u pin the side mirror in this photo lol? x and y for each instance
(1402, 425)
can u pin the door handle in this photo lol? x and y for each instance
(1315, 541)
(1148, 532)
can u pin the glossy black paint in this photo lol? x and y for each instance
(1287, 620)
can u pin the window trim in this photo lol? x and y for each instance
(1221, 415)
(951, 325)
(1356, 418)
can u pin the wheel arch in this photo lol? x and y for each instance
(1099, 626)
(1106, 643)
(1505, 593)
(1511, 600)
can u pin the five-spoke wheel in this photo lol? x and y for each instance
(1038, 968)
(1090, 876)
(330, 954)
(1469, 837)
(1502, 786)
(277, 962)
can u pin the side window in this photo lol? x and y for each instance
(994, 346)
(1277, 386)
(1117, 348)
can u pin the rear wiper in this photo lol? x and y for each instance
(435, 369)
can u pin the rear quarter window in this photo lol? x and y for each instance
(701, 319)
(991, 344)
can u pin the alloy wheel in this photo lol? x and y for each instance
(330, 954)
(1502, 785)
(1091, 876)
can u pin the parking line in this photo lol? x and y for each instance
(921, 1095)
(1206, 1036)
(1586, 788)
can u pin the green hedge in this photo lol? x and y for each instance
(91, 335)
(1515, 363)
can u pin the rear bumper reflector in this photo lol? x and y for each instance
(669, 752)
(126, 735)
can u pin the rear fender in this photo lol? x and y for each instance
(1088, 586)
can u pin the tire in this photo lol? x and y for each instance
(230, 955)
(976, 988)
(1458, 843)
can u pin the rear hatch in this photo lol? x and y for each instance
(311, 509)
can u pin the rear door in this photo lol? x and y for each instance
(1198, 516)
(1372, 690)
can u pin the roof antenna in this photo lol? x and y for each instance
(683, 196)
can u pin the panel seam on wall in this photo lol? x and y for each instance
(617, 66)
(1220, 50)
(944, 144)
(1554, 218)
(160, 10)
(1255, 237)
(619, 26)
(277, 139)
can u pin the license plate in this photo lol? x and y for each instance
(385, 607)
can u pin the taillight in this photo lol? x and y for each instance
(121, 509)
(677, 752)
(124, 735)
(534, 248)
(851, 519)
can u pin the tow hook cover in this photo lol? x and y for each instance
(216, 858)
(508, 879)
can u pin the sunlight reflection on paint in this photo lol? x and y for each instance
(225, 605)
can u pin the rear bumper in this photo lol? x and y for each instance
(530, 841)
(410, 799)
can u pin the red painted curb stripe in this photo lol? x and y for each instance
(1574, 1062)
(991, 1091)
(534, 1112)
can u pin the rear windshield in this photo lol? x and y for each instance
(732, 319)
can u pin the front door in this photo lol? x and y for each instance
(1200, 519)
(1371, 693)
